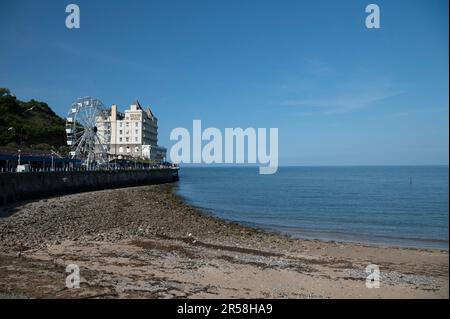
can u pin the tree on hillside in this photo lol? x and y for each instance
(4, 91)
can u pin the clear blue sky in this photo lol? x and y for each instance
(339, 93)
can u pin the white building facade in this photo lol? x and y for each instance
(134, 134)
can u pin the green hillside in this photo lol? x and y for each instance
(31, 124)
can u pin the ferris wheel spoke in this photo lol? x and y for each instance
(78, 140)
(79, 145)
(87, 117)
(82, 120)
(83, 114)
(90, 116)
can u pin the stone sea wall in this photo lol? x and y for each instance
(25, 186)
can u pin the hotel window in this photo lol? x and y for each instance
(127, 139)
(135, 139)
(136, 124)
(127, 124)
(120, 132)
(120, 139)
(120, 124)
(136, 131)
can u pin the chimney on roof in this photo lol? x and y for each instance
(114, 112)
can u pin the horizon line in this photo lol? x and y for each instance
(316, 165)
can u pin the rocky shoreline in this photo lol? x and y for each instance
(146, 242)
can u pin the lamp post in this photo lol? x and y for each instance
(19, 157)
(53, 152)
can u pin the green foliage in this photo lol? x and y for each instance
(42, 147)
(4, 91)
(12, 145)
(29, 123)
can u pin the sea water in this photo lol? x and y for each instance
(396, 205)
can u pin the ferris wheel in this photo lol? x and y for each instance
(88, 131)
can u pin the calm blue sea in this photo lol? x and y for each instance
(403, 206)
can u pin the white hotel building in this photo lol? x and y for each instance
(134, 133)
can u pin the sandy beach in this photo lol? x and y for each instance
(145, 242)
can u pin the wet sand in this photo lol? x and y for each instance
(145, 242)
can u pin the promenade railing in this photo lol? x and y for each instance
(7, 170)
